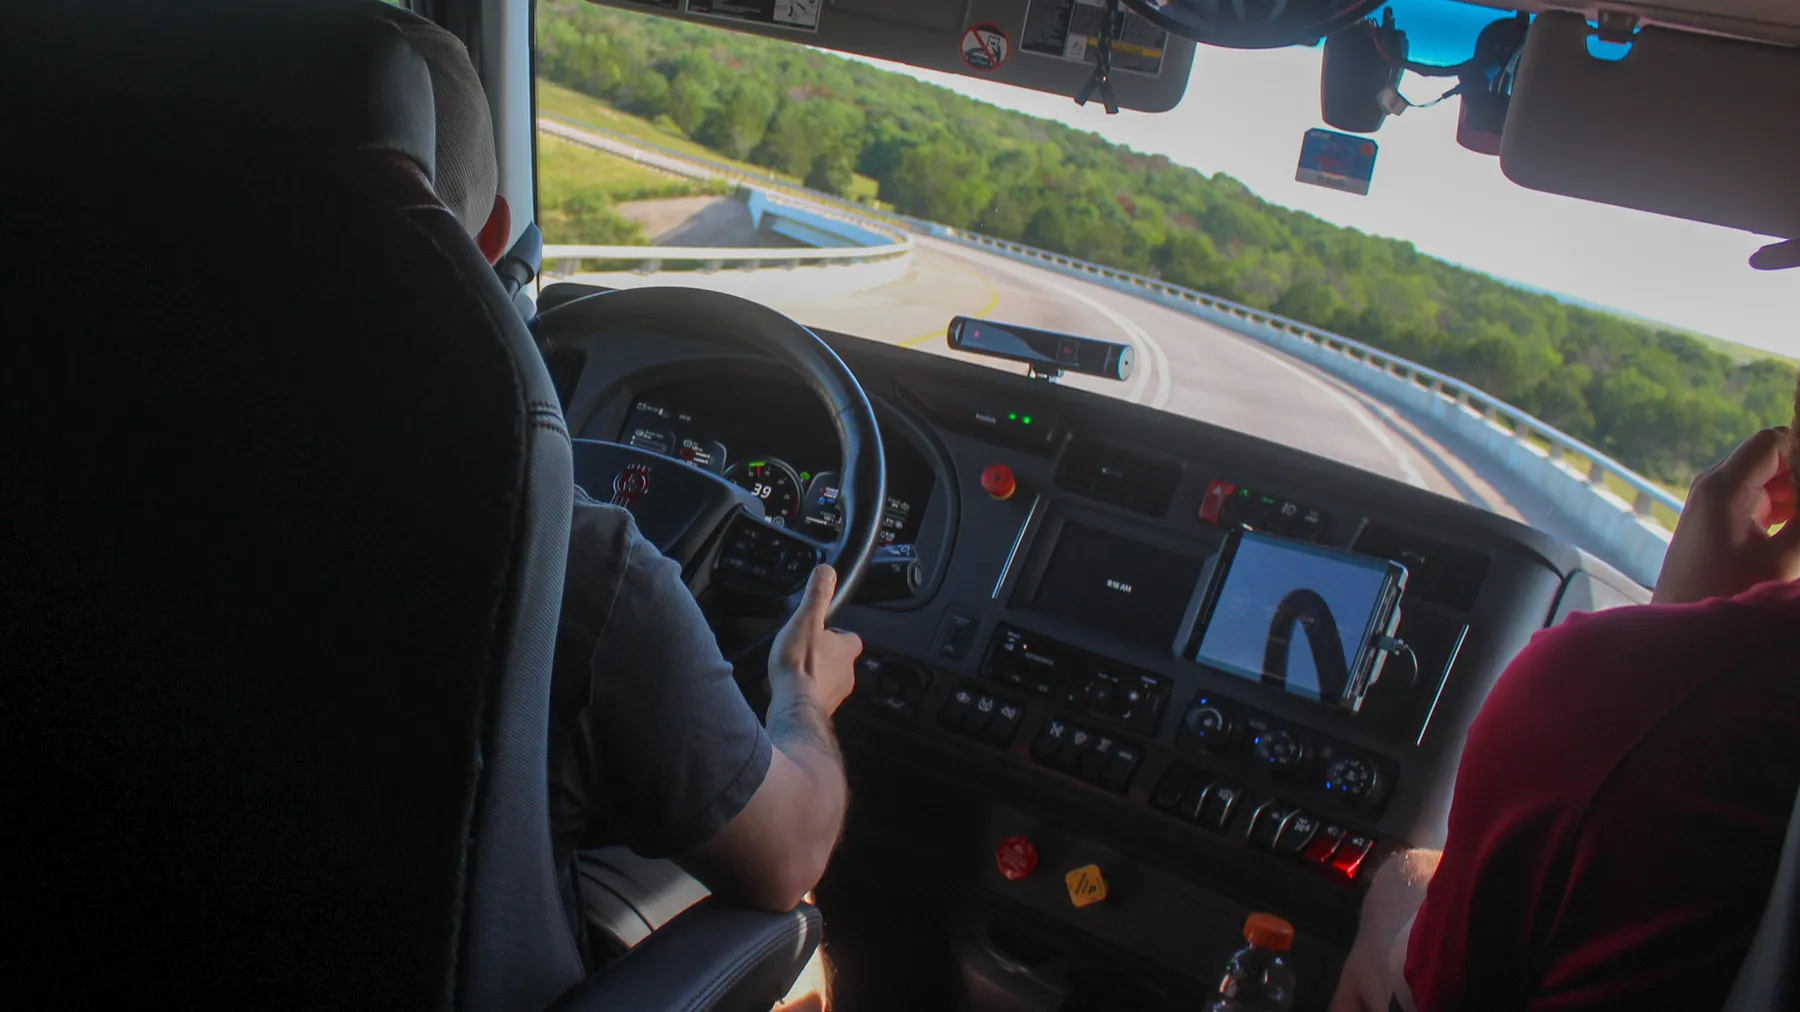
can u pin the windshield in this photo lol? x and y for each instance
(881, 201)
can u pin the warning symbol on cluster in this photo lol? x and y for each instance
(985, 47)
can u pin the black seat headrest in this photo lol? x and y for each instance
(212, 82)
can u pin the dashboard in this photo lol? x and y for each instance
(1084, 680)
(769, 436)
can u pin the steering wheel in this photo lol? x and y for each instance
(714, 529)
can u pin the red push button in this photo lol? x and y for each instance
(1016, 857)
(1216, 494)
(1349, 856)
(1324, 844)
(997, 481)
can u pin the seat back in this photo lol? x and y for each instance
(284, 504)
(1767, 980)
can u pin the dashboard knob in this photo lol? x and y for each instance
(1279, 749)
(1206, 724)
(997, 481)
(1353, 776)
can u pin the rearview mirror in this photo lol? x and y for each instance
(1693, 126)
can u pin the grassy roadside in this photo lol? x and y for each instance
(569, 104)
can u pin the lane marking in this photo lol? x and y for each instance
(1401, 457)
(993, 300)
(1136, 335)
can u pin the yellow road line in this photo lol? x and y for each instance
(993, 300)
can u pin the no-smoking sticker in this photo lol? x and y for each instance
(985, 47)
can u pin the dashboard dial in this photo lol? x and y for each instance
(772, 481)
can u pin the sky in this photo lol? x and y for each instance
(1244, 115)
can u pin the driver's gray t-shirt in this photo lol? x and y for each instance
(651, 742)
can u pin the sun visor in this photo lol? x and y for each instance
(1693, 126)
(1044, 45)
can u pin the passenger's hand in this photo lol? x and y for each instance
(1722, 545)
(1374, 970)
(810, 660)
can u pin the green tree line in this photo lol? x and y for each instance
(1663, 402)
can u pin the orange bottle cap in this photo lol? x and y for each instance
(1269, 932)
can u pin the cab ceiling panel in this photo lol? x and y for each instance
(1044, 45)
(1772, 21)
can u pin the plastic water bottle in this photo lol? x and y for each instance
(1257, 977)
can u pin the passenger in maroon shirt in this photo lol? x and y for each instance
(1625, 791)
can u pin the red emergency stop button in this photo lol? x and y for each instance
(997, 481)
(1016, 857)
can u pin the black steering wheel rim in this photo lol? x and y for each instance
(731, 320)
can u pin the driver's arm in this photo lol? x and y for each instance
(653, 744)
(776, 849)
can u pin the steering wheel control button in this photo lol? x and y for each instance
(998, 482)
(760, 559)
(1016, 858)
(1086, 885)
(1347, 860)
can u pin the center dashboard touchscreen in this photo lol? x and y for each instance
(1299, 617)
(1097, 580)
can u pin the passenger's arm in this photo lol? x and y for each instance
(775, 850)
(1374, 971)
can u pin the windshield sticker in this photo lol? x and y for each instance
(1070, 30)
(800, 14)
(985, 47)
(1337, 161)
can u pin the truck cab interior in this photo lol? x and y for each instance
(287, 477)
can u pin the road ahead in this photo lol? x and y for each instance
(1185, 365)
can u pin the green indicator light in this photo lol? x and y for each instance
(1012, 416)
(1027, 419)
(758, 463)
(805, 475)
(1268, 500)
(1244, 492)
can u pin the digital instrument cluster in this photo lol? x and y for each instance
(786, 455)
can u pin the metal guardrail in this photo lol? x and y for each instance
(650, 259)
(1558, 446)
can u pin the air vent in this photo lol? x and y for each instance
(1435, 571)
(1119, 477)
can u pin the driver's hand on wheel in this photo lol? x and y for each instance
(810, 661)
(1722, 545)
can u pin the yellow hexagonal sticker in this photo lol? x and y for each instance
(1086, 885)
